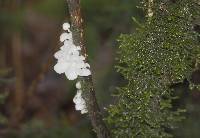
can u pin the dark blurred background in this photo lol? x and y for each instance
(35, 102)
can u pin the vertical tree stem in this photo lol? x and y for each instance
(88, 88)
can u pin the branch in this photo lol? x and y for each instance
(88, 88)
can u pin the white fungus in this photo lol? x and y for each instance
(72, 64)
(80, 102)
(78, 85)
(70, 61)
(65, 36)
(66, 26)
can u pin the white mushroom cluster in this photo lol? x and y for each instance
(70, 61)
(79, 101)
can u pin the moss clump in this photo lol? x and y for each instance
(161, 53)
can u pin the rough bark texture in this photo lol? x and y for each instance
(88, 88)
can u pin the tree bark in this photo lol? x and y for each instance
(87, 84)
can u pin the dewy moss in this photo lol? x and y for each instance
(164, 51)
(72, 63)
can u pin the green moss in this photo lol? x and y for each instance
(161, 53)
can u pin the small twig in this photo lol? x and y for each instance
(88, 88)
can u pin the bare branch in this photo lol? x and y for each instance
(88, 88)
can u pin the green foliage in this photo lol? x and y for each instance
(161, 53)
